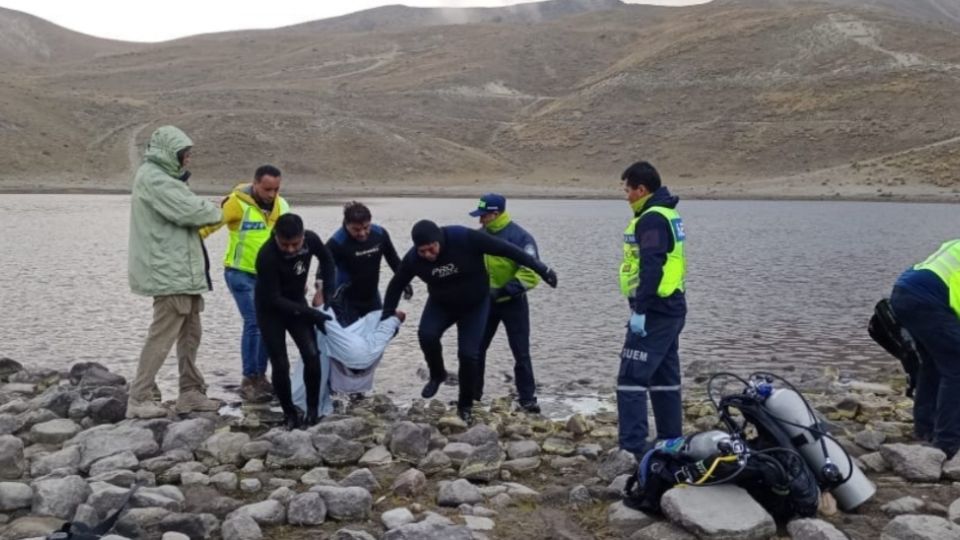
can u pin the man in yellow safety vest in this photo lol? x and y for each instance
(249, 212)
(652, 279)
(926, 302)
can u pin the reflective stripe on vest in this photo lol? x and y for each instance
(674, 268)
(945, 263)
(251, 234)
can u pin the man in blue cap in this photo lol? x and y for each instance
(509, 283)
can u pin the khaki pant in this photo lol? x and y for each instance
(176, 318)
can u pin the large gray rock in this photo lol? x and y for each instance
(224, 447)
(96, 376)
(240, 526)
(349, 428)
(8, 367)
(914, 462)
(523, 449)
(188, 434)
(953, 513)
(378, 455)
(107, 410)
(458, 492)
(317, 476)
(225, 481)
(11, 423)
(483, 463)
(951, 468)
(429, 530)
(123, 460)
(361, 478)
(12, 464)
(59, 497)
(410, 442)
(616, 463)
(397, 517)
(870, 439)
(458, 452)
(725, 512)
(814, 529)
(268, 512)
(306, 509)
(409, 483)
(478, 435)
(173, 474)
(903, 505)
(351, 534)
(101, 441)
(521, 465)
(32, 527)
(120, 478)
(56, 399)
(293, 449)
(256, 449)
(14, 496)
(337, 451)
(434, 462)
(68, 458)
(912, 527)
(344, 504)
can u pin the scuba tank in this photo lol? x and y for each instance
(834, 468)
(706, 444)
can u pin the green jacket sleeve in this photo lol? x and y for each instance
(173, 200)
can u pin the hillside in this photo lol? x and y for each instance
(732, 98)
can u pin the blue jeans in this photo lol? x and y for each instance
(650, 365)
(936, 329)
(252, 350)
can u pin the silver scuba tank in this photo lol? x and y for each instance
(832, 465)
(706, 444)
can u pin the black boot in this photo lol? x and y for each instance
(293, 421)
(430, 389)
(531, 407)
(311, 419)
(466, 415)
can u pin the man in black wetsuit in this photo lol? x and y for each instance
(282, 267)
(357, 249)
(450, 261)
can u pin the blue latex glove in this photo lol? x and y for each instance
(637, 323)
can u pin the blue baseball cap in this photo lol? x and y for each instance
(491, 202)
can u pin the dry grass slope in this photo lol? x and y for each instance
(732, 97)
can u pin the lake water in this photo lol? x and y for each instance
(776, 285)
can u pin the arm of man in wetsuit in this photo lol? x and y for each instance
(393, 260)
(326, 272)
(655, 239)
(401, 279)
(494, 246)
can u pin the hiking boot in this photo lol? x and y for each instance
(252, 391)
(155, 394)
(195, 401)
(531, 407)
(265, 386)
(311, 419)
(293, 421)
(144, 409)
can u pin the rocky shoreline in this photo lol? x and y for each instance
(379, 471)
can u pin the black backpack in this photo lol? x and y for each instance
(777, 476)
(889, 334)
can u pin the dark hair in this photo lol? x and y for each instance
(288, 226)
(266, 170)
(642, 173)
(355, 212)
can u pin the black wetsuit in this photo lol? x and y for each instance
(358, 264)
(281, 308)
(459, 292)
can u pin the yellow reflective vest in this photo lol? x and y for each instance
(945, 263)
(674, 268)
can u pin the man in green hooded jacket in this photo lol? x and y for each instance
(167, 262)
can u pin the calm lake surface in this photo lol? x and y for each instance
(778, 285)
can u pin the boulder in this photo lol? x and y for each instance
(188, 434)
(458, 492)
(409, 483)
(409, 442)
(814, 529)
(306, 509)
(914, 462)
(913, 527)
(224, 447)
(336, 450)
(345, 504)
(483, 463)
(12, 464)
(59, 497)
(718, 512)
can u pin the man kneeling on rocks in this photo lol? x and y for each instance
(282, 267)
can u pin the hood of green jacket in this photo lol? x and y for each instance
(162, 149)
